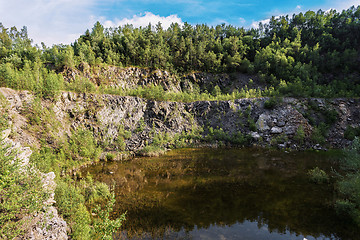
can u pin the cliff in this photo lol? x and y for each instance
(283, 122)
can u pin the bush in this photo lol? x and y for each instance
(83, 144)
(110, 157)
(351, 132)
(271, 103)
(103, 226)
(331, 116)
(349, 185)
(53, 83)
(300, 135)
(319, 133)
(21, 194)
(318, 176)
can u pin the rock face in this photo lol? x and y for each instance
(47, 224)
(132, 77)
(291, 122)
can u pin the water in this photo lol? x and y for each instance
(224, 194)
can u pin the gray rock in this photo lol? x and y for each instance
(276, 130)
(280, 123)
(255, 135)
(290, 130)
(261, 123)
(5, 134)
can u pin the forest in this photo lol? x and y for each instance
(312, 54)
(315, 54)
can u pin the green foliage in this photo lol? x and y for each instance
(80, 148)
(82, 144)
(21, 194)
(352, 132)
(53, 83)
(331, 116)
(300, 135)
(80, 85)
(349, 185)
(252, 124)
(187, 138)
(240, 139)
(282, 138)
(271, 103)
(318, 175)
(122, 136)
(104, 227)
(71, 204)
(141, 125)
(218, 134)
(319, 133)
(78, 202)
(308, 55)
(4, 121)
(110, 157)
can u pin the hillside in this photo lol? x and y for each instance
(292, 84)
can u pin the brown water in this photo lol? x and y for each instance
(224, 194)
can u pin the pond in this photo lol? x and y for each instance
(224, 194)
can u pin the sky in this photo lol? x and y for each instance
(63, 21)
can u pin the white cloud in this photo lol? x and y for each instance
(334, 4)
(63, 21)
(242, 21)
(48, 21)
(255, 24)
(143, 20)
(341, 5)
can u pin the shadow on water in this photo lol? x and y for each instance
(224, 194)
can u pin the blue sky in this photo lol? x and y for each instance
(63, 21)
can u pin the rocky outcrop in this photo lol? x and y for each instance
(46, 224)
(132, 77)
(290, 123)
(125, 78)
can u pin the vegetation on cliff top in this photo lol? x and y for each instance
(311, 54)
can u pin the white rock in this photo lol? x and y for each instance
(255, 135)
(276, 130)
(5, 133)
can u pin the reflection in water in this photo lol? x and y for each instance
(224, 194)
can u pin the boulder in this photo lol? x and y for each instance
(261, 123)
(276, 130)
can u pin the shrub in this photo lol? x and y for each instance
(103, 226)
(319, 133)
(83, 144)
(351, 132)
(53, 83)
(331, 116)
(141, 125)
(349, 185)
(300, 135)
(318, 175)
(110, 157)
(240, 139)
(271, 103)
(21, 194)
(252, 125)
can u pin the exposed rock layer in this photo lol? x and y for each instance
(105, 115)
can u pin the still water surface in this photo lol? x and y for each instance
(224, 194)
